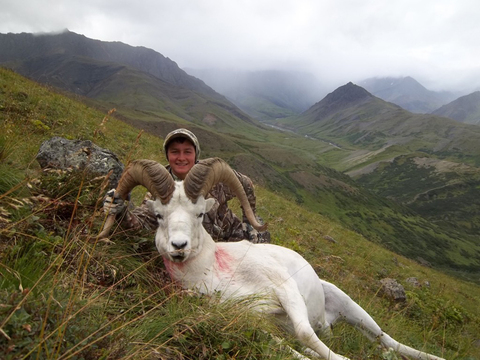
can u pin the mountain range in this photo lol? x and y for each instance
(352, 116)
(400, 178)
(31, 54)
(263, 95)
(267, 95)
(425, 162)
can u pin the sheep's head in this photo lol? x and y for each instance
(180, 232)
(180, 206)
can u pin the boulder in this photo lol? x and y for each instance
(81, 155)
(393, 290)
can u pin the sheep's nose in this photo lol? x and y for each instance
(178, 245)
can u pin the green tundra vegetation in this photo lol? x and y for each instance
(66, 295)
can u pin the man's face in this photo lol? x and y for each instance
(181, 157)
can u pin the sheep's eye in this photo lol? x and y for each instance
(159, 217)
(200, 215)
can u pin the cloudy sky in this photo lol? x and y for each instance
(434, 41)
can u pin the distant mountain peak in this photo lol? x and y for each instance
(349, 93)
(346, 96)
(407, 93)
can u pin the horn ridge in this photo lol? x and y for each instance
(207, 173)
(150, 174)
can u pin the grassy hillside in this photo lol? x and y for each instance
(63, 294)
(431, 187)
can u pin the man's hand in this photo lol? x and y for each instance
(112, 204)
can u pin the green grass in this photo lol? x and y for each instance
(64, 294)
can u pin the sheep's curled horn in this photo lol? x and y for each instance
(205, 174)
(199, 181)
(147, 173)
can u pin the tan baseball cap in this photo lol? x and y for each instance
(182, 133)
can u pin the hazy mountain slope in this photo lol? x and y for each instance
(265, 94)
(407, 93)
(465, 109)
(17, 48)
(133, 78)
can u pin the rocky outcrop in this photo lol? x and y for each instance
(80, 155)
(393, 290)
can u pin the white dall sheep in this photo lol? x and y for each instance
(289, 287)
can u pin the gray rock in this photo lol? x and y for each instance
(413, 281)
(329, 238)
(393, 290)
(82, 155)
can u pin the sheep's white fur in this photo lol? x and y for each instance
(291, 289)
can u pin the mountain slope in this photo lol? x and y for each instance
(420, 161)
(407, 93)
(444, 192)
(465, 109)
(134, 78)
(16, 48)
(351, 116)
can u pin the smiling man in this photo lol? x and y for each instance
(182, 150)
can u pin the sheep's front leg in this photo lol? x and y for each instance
(306, 335)
(296, 310)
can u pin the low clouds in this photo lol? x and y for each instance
(434, 41)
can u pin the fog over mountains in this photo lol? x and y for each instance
(266, 95)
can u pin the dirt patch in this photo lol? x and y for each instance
(210, 119)
(442, 166)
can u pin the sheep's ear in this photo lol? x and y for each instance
(209, 204)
